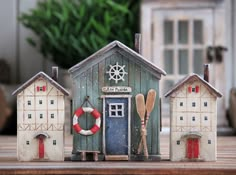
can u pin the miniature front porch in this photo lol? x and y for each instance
(224, 165)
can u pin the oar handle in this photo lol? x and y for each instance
(147, 118)
(144, 139)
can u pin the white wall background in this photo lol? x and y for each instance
(24, 60)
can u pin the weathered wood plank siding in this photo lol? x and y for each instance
(90, 82)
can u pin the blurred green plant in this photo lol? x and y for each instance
(71, 30)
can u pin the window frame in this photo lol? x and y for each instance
(116, 110)
(54, 142)
(29, 116)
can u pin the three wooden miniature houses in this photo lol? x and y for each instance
(40, 119)
(111, 78)
(193, 119)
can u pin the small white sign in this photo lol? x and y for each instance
(116, 89)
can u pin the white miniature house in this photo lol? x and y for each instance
(40, 119)
(193, 120)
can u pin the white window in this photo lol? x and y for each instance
(181, 118)
(193, 104)
(40, 102)
(181, 104)
(29, 102)
(52, 102)
(29, 116)
(52, 115)
(40, 115)
(116, 109)
(205, 104)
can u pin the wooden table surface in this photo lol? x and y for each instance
(226, 163)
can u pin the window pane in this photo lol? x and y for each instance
(198, 61)
(168, 32)
(183, 62)
(197, 32)
(168, 61)
(183, 32)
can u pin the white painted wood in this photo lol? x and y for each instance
(116, 89)
(40, 120)
(211, 12)
(182, 122)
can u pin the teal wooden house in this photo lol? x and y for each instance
(108, 127)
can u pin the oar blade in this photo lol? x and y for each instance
(140, 105)
(151, 98)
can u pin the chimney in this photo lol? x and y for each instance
(206, 72)
(137, 43)
(55, 73)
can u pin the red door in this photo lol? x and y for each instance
(41, 147)
(192, 148)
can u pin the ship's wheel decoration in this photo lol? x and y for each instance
(117, 72)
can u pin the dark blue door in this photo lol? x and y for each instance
(116, 126)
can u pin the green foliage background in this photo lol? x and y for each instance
(71, 30)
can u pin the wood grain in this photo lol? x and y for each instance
(224, 165)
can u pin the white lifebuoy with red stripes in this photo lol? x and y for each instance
(79, 112)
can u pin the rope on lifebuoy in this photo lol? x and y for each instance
(79, 112)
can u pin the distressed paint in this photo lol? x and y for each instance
(140, 79)
(188, 122)
(35, 135)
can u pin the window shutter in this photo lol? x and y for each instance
(37, 88)
(189, 89)
(44, 88)
(197, 89)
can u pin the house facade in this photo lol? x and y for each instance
(193, 120)
(111, 78)
(40, 119)
(180, 36)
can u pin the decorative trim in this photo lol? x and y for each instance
(116, 89)
(129, 124)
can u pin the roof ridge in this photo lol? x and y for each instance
(185, 79)
(111, 45)
(36, 76)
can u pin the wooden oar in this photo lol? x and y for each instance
(141, 110)
(150, 102)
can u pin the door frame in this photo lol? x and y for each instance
(221, 10)
(104, 118)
